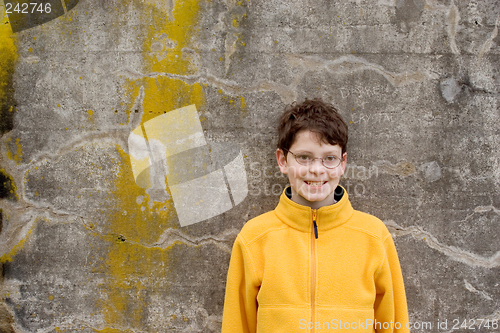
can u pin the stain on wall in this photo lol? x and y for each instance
(7, 186)
(141, 217)
(8, 50)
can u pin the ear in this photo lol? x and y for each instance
(281, 158)
(343, 165)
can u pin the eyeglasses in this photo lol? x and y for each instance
(330, 162)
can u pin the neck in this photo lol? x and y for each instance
(297, 198)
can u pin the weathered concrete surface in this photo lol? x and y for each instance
(83, 248)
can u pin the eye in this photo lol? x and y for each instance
(331, 158)
(304, 158)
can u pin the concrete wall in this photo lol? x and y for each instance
(85, 248)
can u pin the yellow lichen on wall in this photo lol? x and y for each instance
(168, 50)
(91, 116)
(232, 101)
(131, 89)
(136, 217)
(180, 32)
(20, 244)
(17, 155)
(164, 94)
(134, 263)
(114, 330)
(8, 55)
(8, 58)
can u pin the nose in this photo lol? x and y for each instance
(316, 166)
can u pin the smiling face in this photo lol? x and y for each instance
(312, 185)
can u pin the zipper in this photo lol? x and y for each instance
(314, 236)
(315, 224)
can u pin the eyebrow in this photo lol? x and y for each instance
(308, 152)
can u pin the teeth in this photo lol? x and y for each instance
(315, 183)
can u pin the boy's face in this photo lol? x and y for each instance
(312, 185)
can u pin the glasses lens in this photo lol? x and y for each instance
(304, 159)
(331, 162)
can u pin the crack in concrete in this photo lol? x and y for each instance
(14, 240)
(24, 213)
(40, 212)
(484, 209)
(114, 136)
(494, 316)
(48, 211)
(288, 93)
(489, 42)
(350, 64)
(360, 172)
(471, 288)
(454, 253)
(19, 172)
(22, 217)
(230, 49)
(479, 209)
(228, 86)
(172, 236)
(453, 19)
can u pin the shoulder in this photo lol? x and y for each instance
(368, 224)
(260, 226)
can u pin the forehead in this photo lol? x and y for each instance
(306, 140)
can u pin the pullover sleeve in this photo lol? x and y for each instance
(240, 304)
(390, 302)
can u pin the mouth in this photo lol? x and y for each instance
(315, 184)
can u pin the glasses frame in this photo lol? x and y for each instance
(315, 158)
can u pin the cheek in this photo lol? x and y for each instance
(297, 172)
(335, 173)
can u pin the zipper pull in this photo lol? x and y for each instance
(314, 224)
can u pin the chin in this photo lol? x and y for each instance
(316, 198)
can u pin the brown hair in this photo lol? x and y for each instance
(315, 116)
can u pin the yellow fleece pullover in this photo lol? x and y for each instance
(286, 275)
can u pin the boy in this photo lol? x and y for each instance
(314, 264)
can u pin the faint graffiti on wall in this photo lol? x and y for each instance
(204, 179)
(26, 14)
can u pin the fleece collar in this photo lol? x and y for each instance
(327, 217)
